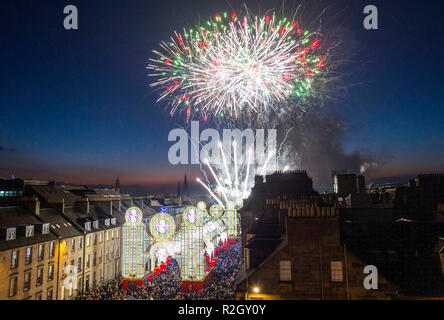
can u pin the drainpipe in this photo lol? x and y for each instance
(321, 269)
(58, 269)
(84, 264)
(346, 273)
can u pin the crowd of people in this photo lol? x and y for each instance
(167, 284)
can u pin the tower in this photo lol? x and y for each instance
(178, 190)
(117, 186)
(185, 191)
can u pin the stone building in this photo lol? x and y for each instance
(31, 251)
(302, 257)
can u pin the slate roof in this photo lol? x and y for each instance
(61, 226)
(53, 194)
(16, 217)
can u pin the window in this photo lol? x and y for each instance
(112, 234)
(28, 258)
(87, 261)
(39, 278)
(117, 233)
(88, 226)
(41, 252)
(80, 243)
(14, 259)
(100, 237)
(27, 281)
(112, 251)
(51, 249)
(29, 231)
(45, 228)
(96, 224)
(336, 271)
(11, 234)
(49, 294)
(285, 270)
(38, 296)
(94, 259)
(107, 254)
(12, 286)
(107, 222)
(73, 245)
(100, 256)
(113, 221)
(79, 264)
(50, 271)
(87, 241)
(246, 258)
(117, 250)
(94, 239)
(107, 235)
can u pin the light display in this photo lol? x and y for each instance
(192, 246)
(231, 220)
(162, 227)
(135, 240)
(216, 211)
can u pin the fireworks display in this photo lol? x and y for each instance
(237, 67)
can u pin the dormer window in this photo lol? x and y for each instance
(29, 231)
(11, 234)
(96, 224)
(113, 221)
(45, 228)
(107, 222)
(88, 226)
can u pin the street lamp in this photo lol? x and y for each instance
(256, 290)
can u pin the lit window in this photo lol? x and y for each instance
(87, 241)
(39, 279)
(107, 222)
(27, 281)
(28, 259)
(96, 224)
(88, 226)
(80, 243)
(11, 234)
(29, 231)
(50, 271)
(285, 270)
(45, 228)
(14, 259)
(13, 286)
(336, 271)
(49, 294)
(51, 249)
(73, 245)
(41, 252)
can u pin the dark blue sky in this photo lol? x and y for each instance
(75, 105)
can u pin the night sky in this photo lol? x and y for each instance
(76, 106)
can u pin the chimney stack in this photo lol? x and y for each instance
(32, 204)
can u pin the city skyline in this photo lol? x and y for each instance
(77, 107)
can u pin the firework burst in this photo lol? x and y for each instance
(237, 67)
